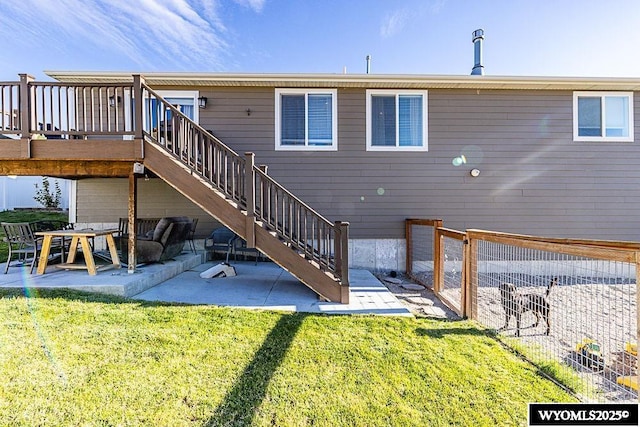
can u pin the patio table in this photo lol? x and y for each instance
(79, 237)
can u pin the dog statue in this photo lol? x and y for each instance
(515, 304)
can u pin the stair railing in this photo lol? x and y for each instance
(193, 146)
(278, 210)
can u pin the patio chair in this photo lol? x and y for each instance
(55, 224)
(50, 225)
(240, 246)
(24, 244)
(221, 240)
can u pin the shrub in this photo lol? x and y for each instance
(48, 198)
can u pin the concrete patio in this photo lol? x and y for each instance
(262, 286)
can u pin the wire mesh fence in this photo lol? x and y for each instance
(451, 282)
(570, 306)
(420, 250)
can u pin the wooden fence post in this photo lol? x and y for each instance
(466, 275)
(341, 258)
(471, 303)
(438, 257)
(250, 197)
(409, 244)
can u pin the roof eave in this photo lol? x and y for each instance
(402, 81)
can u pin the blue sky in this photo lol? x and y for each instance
(591, 38)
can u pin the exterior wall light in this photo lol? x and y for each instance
(114, 100)
(202, 102)
(475, 172)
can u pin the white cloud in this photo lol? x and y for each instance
(394, 23)
(437, 5)
(256, 5)
(155, 34)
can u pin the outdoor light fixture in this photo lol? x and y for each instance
(475, 173)
(202, 102)
(113, 100)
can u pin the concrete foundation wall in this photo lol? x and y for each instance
(378, 254)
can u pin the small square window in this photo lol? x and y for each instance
(603, 116)
(396, 121)
(306, 119)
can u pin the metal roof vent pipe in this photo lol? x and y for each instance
(368, 64)
(478, 68)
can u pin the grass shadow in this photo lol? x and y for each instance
(443, 332)
(241, 402)
(75, 295)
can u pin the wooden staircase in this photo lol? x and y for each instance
(248, 201)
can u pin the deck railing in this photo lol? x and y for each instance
(72, 110)
(65, 111)
(298, 224)
(10, 118)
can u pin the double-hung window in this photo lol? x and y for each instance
(306, 119)
(603, 116)
(396, 120)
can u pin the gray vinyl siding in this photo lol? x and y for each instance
(105, 200)
(534, 178)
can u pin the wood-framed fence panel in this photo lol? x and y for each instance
(594, 298)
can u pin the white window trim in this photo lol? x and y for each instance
(306, 147)
(184, 94)
(425, 127)
(578, 138)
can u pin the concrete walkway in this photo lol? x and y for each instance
(262, 286)
(267, 286)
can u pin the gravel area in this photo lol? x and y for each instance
(419, 299)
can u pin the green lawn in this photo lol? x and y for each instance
(25, 216)
(69, 358)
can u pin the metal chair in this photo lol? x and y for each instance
(240, 246)
(221, 240)
(24, 244)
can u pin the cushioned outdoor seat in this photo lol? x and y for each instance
(165, 242)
